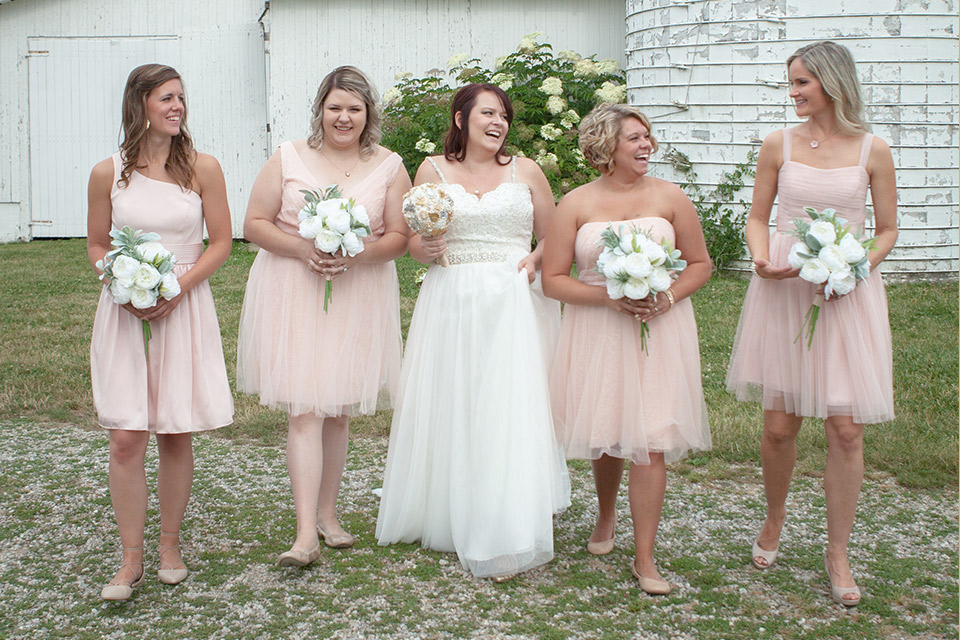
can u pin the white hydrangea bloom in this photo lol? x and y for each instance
(556, 104)
(550, 131)
(611, 92)
(608, 65)
(585, 67)
(547, 161)
(569, 118)
(552, 86)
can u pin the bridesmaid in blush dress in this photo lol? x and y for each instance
(846, 376)
(321, 367)
(159, 183)
(613, 402)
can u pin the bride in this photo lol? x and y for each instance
(473, 466)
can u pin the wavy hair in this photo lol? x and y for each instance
(600, 129)
(832, 64)
(356, 82)
(455, 143)
(140, 83)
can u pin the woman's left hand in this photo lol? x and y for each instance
(652, 306)
(530, 264)
(331, 267)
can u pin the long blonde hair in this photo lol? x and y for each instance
(140, 83)
(353, 80)
(832, 64)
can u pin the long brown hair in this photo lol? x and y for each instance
(140, 83)
(455, 144)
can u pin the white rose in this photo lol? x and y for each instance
(851, 249)
(352, 244)
(359, 213)
(142, 298)
(125, 269)
(327, 241)
(310, 227)
(151, 251)
(637, 265)
(120, 292)
(169, 286)
(823, 231)
(794, 259)
(636, 289)
(147, 277)
(840, 282)
(814, 271)
(831, 257)
(338, 221)
(659, 280)
(614, 289)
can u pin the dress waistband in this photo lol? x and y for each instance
(185, 253)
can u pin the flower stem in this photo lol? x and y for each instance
(147, 334)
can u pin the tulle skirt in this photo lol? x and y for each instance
(610, 397)
(302, 360)
(182, 388)
(848, 371)
(473, 466)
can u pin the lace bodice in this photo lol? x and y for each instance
(491, 227)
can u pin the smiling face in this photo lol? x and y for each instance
(344, 117)
(487, 124)
(806, 91)
(166, 107)
(634, 147)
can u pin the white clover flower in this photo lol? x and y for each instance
(552, 86)
(147, 277)
(391, 95)
(556, 104)
(608, 65)
(503, 80)
(327, 240)
(550, 132)
(547, 161)
(569, 118)
(584, 68)
(169, 286)
(142, 298)
(611, 92)
(456, 61)
(567, 54)
(425, 146)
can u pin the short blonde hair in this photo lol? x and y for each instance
(353, 80)
(832, 64)
(600, 129)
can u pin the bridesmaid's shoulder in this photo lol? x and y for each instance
(205, 163)
(102, 171)
(773, 139)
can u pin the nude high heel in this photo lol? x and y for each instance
(837, 593)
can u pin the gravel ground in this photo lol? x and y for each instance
(58, 546)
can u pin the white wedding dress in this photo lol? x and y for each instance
(473, 464)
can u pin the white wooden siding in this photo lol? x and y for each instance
(712, 77)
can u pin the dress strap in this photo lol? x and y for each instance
(787, 143)
(437, 169)
(865, 149)
(513, 169)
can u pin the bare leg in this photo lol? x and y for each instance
(842, 480)
(607, 472)
(336, 433)
(778, 454)
(647, 487)
(174, 482)
(304, 464)
(128, 493)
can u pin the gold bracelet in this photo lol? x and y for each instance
(670, 297)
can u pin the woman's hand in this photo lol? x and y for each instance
(432, 247)
(530, 264)
(765, 270)
(330, 266)
(159, 311)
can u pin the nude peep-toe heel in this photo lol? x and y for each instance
(837, 593)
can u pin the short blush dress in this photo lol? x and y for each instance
(611, 398)
(848, 371)
(183, 387)
(294, 355)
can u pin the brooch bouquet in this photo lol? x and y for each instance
(428, 209)
(635, 266)
(139, 271)
(828, 253)
(334, 223)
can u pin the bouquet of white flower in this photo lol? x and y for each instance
(428, 209)
(139, 271)
(636, 267)
(334, 223)
(827, 252)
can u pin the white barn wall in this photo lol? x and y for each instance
(221, 59)
(724, 60)
(309, 39)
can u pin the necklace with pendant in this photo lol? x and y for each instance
(338, 167)
(813, 141)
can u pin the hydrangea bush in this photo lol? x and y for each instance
(550, 93)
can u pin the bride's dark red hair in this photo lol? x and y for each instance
(455, 144)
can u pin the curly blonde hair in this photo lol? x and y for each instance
(356, 82)
(599, 131)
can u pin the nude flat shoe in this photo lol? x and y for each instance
(837, 593)
(651, 586)
(122, 590)
(603, 547)
(297, 558)
(767, 557)
(171, 576)
(337, 541)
